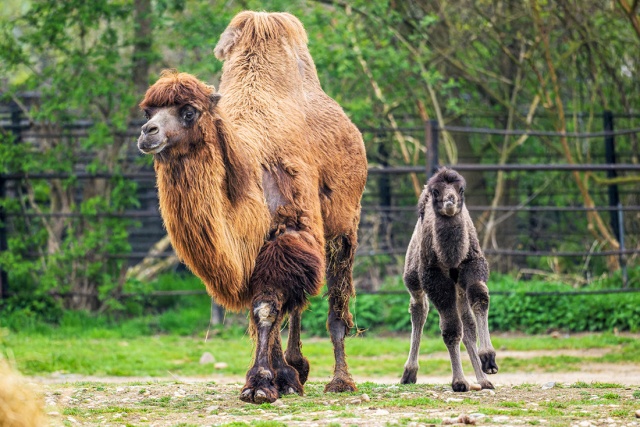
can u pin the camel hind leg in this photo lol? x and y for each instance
(469, 338)
(340, 255)
(473, 278)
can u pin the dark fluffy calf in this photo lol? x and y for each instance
(445, 264)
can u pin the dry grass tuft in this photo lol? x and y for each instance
(20, 404)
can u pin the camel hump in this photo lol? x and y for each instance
(250, 28)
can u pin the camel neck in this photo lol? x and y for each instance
(451, 238)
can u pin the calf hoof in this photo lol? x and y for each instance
(300, 364)
(259, 387)
(485, 384)
(340, 385)
(287, 381)
(488, 360)
(409, 376)
(460, 385)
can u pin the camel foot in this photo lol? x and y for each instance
(300, 364)
(485, 384)
(287, 381)
(340, 385)
(488, 360)
(410, 376)
(259, 387)
(460, 385)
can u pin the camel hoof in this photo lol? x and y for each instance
(409, 376)
(259, 396)
(486, 385)
(460, 386)
(340, 385)
(488, 360)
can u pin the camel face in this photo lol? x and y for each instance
(167, 127)
(447, 194)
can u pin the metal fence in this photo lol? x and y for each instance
(543, 220)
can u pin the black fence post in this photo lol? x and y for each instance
(616, 216)
(432, 135)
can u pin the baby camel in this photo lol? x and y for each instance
(445, 263)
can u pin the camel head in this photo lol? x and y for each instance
(446, 191)
(174, 107)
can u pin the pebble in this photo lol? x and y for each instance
(207, 358)
(220, 365)
(638, 413)
(475, 387)
(488, 391)
(365, 398)
(453, 399)
(500, 419)
(277, 403)
(549, 385)
(477, 415)
(55, 414)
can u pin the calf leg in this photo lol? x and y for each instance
(419, 309)
(442, 292)
(469, 338)
(340, 255)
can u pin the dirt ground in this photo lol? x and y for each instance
(578, 399)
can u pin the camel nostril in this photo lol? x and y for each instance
(150, 129)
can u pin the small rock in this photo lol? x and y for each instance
(488, 391)
(475, 387)
(638, 413)
(56, 414)
(212, 408)
(477, 415)
(207, 358)
(144, 419)
(555, 334)
(365, 398)
(277, 403)
(453, 399)
(355, 401)
(501, 419)
(220, 365)
(381, 412)
(549, 385)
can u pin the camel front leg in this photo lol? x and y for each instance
(340, 255)
(442, 292)
(265, 322)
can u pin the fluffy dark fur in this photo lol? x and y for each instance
(445, 264)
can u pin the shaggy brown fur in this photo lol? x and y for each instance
(445, 263)
(254, 182)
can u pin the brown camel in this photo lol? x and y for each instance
(260, 189)
(445, 263)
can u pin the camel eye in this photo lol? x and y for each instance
(461, 191)
(435, 193)
(147, 116)
(188, 113)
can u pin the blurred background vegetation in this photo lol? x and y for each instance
(75, 71)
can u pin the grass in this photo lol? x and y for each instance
(166, 355)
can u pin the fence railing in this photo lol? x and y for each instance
(381, 213)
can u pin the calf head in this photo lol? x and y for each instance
(446, 191)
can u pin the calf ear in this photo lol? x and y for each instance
(227, 40)
(422, 201)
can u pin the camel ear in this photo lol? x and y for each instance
(227, 40)
(214, 98)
